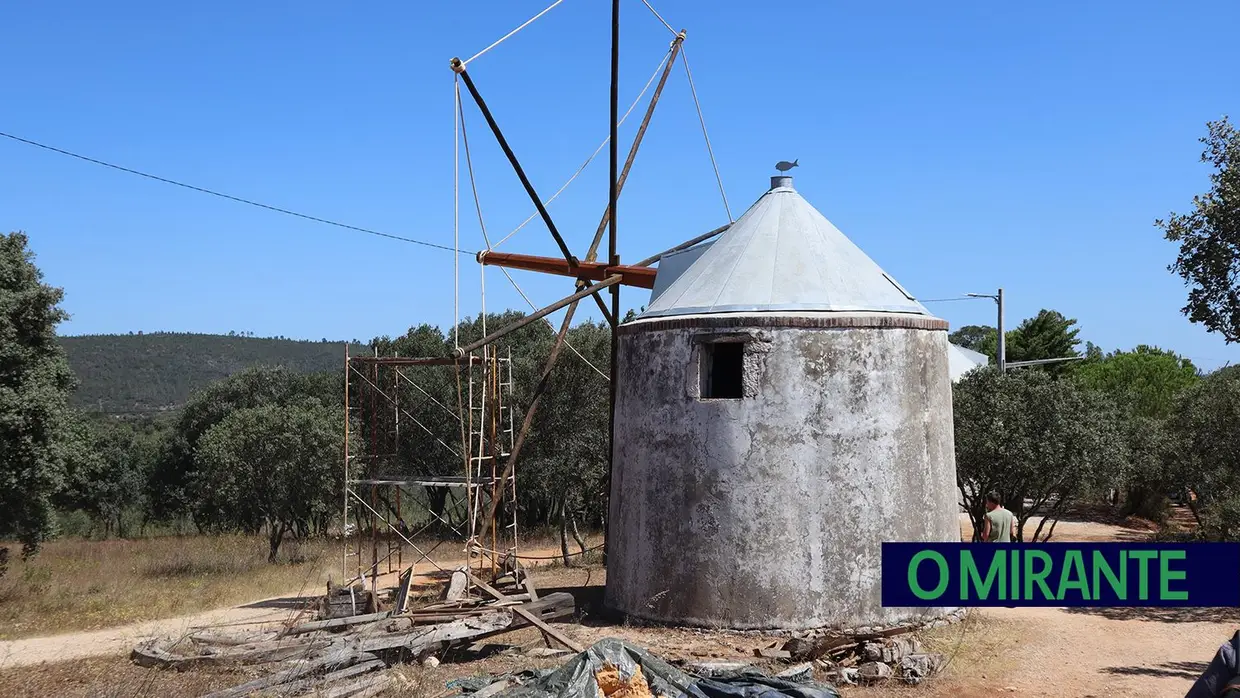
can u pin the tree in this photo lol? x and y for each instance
(274, 466)
(35, 382)
(1209, 237)
(973, 337)
(1204, 450)
(171, 485)
(565, 471)
(1047, 335)
(1145, 384)
(1144, 381)
(107, 471)
(1041, 443)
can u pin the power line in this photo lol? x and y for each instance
(229, 196)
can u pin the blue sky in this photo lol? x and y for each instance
(964, 146)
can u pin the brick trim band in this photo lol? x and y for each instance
(875, 321)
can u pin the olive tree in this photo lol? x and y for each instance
(35, 382)
(274, 466)
(1205, 450)
(1041, 443)
(1209, 237)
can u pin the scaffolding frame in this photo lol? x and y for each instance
(378, 476)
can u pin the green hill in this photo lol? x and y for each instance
(142, 373)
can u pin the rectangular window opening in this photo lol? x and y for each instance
(723, 367)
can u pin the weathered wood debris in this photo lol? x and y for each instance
(341, 655)
(868, 659)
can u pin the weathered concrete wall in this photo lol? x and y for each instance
(769, 511)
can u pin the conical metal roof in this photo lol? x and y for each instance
(961, 360)
(782, 255)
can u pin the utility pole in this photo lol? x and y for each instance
(1001, 353)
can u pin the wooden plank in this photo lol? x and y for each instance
(434, 636)
(336, 623)
(402, 591)
(528, 615)
(408, 622)
(220, 640)
(369, 686)
(340, 660)
(150, 654)
(529, 586)
(500, 620)
(818, 647)
(361, 667)
(889, 632)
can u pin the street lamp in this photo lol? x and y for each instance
(1001, 354)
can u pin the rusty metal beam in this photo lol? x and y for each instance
(412, 361)
(641, 277)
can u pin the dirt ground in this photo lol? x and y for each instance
(1136, 653)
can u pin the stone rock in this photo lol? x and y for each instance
(458, 586)
(431, 662)
(873, 672)
(916, 667)
(800, 646)
(845, 675)
(897, 649)
(872, 652)
(800, 672)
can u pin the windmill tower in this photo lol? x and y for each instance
(783, 407)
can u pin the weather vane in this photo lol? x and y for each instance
(784, 165)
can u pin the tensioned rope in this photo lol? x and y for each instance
(456, 209)
(469, 165)
(552, 325)
(598, 150)
(222, 195)
(693, 90)
(684, 58)
(658, 16)
(514, 31)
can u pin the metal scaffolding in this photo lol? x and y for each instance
(385, 488)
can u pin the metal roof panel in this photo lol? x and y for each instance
(782, 255)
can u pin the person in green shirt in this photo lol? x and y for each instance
(1000, 524)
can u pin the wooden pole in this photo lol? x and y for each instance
(613, 256)
(344, 519)
(590, 255)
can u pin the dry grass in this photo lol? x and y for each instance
(75, 585)
(112, 677)
(87, 585)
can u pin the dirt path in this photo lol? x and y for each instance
(56, 648)
(1136, 653)
(1131, 652)
(118, 640)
